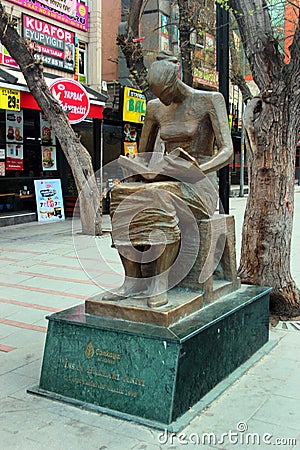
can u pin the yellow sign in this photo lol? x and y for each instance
(9, 99)
(134, 105)
(205, 76)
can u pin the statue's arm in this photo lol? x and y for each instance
(219, 120)
(150, 129)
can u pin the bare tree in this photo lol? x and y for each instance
(272, 123)
(77, 156)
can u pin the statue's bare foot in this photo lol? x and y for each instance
(128, 289)
(158, 300)
(113, 297)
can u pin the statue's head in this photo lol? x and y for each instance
(163, 76)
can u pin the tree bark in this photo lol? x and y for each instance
(77, 156)
(271, 123)
(268, 221)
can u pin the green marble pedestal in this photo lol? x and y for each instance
(151, 374)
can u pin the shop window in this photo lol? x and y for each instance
(112, 142)
(27, 131)
(82, 62)
(84, 129)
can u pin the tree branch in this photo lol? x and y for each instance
(259, 42)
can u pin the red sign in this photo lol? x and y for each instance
(72, 97)
(14, 163)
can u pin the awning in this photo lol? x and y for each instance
(14, 79)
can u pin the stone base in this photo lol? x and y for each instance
(181, 303)
(147, 373)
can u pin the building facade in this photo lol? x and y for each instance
(67, 38)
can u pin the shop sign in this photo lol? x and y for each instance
(7, 59)
(79, 20)
(9, 99)
(63, 6)
(49, 200)
(55, 46)
(72, 97)
(134, 105)
(205, 76)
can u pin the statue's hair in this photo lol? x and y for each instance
(164, 71)
(166, 55)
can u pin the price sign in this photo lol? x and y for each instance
(9, 99)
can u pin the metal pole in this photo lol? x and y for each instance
(222, 41)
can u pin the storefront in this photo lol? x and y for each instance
(29, 150)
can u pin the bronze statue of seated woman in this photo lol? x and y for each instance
(164, 189)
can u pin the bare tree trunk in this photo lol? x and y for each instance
(77, 156)
(268, 222)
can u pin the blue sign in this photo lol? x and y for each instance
(49, 201)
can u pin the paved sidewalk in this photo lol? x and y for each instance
(41, 274)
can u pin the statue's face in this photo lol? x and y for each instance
(164, 93)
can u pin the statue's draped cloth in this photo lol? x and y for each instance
(153, 212)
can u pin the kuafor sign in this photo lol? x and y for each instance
(72, 97)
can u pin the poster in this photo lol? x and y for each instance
(2, 168)
(164, 42)
(47, 134)
(49, 201)
(14, 126)
(130, 149)
(14, 157)
(164, 36)
(48, 145)
(14, 140)
(49, 158)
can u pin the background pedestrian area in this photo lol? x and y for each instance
(41, 274)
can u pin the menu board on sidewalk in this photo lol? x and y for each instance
(49, 201)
